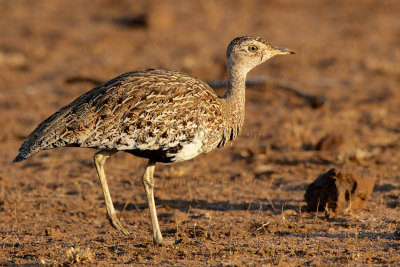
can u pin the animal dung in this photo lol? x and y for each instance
(340, 190)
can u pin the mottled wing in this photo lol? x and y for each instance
(146, 110)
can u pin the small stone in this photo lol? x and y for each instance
(289, 213)
(330, 142)
(52, 232)
(340, 191)
(397, 233)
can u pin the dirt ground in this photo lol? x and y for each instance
(239, 205)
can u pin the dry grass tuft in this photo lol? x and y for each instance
(79, 255)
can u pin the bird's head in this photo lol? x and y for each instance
(247, 52)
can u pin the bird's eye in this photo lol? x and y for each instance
(252, 48)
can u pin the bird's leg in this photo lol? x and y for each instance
(99, 160)
(148, 182)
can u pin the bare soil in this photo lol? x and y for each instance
(239, 205)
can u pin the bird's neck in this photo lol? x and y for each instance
(236, 84)
(233, 102)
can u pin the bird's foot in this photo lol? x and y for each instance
(117, 224)
(162, 242)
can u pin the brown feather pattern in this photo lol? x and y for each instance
(150, 113)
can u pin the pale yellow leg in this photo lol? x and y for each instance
(148, 182)
(99, 160)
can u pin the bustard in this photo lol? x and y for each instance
(161, 115)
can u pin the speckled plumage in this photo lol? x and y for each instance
(149, 113)
(165, 116)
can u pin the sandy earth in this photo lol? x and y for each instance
(240, 205)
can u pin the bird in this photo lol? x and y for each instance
(161, 115)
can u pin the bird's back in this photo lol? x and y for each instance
(167, 115)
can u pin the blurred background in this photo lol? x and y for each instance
(347, 51)
(344, 48)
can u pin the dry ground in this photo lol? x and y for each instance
(240, 205)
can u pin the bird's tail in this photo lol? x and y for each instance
(27, 149)
(42, 138)
(19, 158)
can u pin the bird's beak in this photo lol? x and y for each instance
(282, 51)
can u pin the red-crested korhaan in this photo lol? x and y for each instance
(164, 116)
